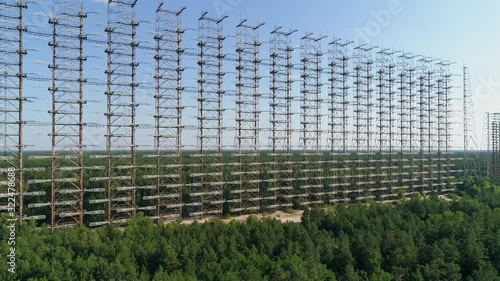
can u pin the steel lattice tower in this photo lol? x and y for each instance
(493, 120)
(12, 97)
(422, 184)
(339, 119)
(312, 170)
(207, 191)
(485, 142)
(471, 145)
(386, 119)
(167, 195)
(120, 115)
(448, 169)
(280, 192)
(363, 121)
(248, 181)
(428, 124)
(441, 126)
(67, 113)
(408, 125)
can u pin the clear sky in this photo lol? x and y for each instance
(465, 32)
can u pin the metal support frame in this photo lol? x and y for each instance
(387, 138)
(166, 199)
(67, 113)
(339, 131)
(493, 120)
(408, 124)
(471, 160)
(364, 181)
(248, 181)
(207, 189)
(280, 188)
(12, 98)
(120, 179)
(312, 172)
(448, 162)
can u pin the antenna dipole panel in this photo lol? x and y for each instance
(208, 183)
(280, 188)
(339, 132)
(166, 199)
(12, 99)
(494, 144)
(120, 179)
(388, 137)
(312, 173)
(363, 122)
(248, 181)
(67, 113)
(427, 124)
(448, 169)
(407, 126)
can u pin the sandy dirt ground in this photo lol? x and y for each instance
(294, 217)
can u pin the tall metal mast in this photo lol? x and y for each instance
(120, 179)
(312, 169)
(207, 189)
(280, 192)
(471, 145)
(247, 119)
(167, 195)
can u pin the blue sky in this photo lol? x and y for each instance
(462, 31)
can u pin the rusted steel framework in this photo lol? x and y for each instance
(166, 198)
(428, 126)
(119, 200)
(12, 98)
(338, 125)
(387, 137)
(67, 113)
(312, 173)
(472, 165)
(363, 122)
(208, 183)
(446, 161)
(493, 120)
(248, 180)
(407, 127)
(280, 187)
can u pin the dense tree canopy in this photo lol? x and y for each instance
(419, 239)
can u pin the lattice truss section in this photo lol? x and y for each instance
(246, 191)
(386, 123)
(166, 198)
(408, 125)
(472, 166)
(428, 126)
(12, 52)
(363, 122)
(67, 113)
(119, 201)
(493, 120)
(208, 183)
(339, 132)
(445, 165)
(312, 174)
(280, 184)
